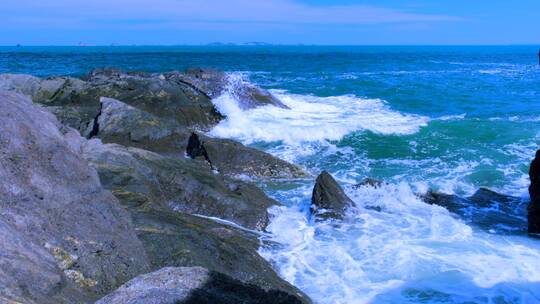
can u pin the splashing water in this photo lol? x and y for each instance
(391, 247)
(311, 118)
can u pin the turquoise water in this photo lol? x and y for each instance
(450, 118)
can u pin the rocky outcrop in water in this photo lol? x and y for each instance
(66, 239)
(141, 177)
(155, 112)
(485, 209)
(215, 83)
(533, 210)
(233, 158)
(192, 285)
(328, 199)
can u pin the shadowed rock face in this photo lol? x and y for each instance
(232, 158)
(486, 209)
(176, 285)
(178, 239)
(178, 184)
(64, 238)
(534, 192)
(328, 199)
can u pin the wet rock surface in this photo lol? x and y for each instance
(485, 209)
(177, 285)
(66, 239)
(233, 158)
(216, 83)
(328, 198)
(178, 184)
(533, 210)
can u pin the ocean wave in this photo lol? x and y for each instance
(392, 241)
(311, 118)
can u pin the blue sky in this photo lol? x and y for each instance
(174, 22)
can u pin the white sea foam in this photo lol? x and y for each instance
(311, 119)
(391, 241)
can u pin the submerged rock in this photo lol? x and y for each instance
(177, 285)
(533, 210)
(328, 199)
(64, 238)
(486, 209)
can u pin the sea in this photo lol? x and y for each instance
(451, 119)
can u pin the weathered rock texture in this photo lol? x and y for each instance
(233, 158)
(533, 215)
(63, 237)
(185, 285)
(328, 199)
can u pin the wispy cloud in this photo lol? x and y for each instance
(171, 13)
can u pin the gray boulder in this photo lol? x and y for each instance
(123, 124)
(177, 183)
(328, 199)
(179, 239)
(64, 238)
(176, 285)
(233, 158)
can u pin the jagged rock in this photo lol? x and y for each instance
(233, 158)
(178, 239)
(485, 209)
(64, 238)
(154, 94)
(152, 187)
(328, 199)
(191, 285)
(215, 83)
(177, 183)
(533, 210)
(123, 124)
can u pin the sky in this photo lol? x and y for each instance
(325, 22)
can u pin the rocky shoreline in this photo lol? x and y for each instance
(110, 186)
(120, 184)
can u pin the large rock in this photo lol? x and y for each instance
(177, 183)
(64, 238)
(179, 285)
(485, 209)
(328, 199)
(233, 158)
(123, 124)
(154, 93)
(179, 239)
(534, 192)
(215, 83)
